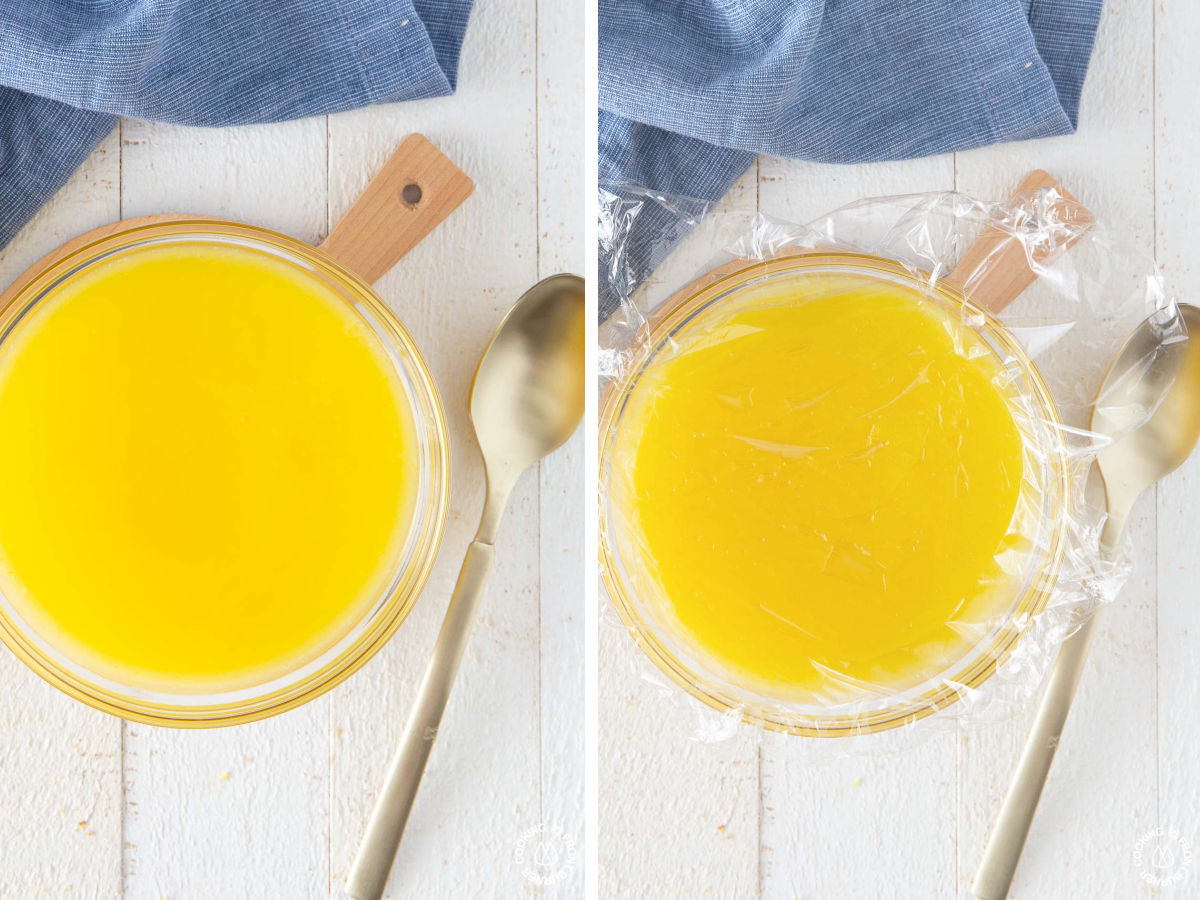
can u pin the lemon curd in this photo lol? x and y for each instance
(818, 488)
(207, 467)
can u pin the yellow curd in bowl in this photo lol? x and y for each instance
(813, 492)
(208, 467)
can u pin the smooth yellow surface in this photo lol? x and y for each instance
(818, 486)
(206, 468)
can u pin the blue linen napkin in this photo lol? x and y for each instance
(68, 70)
(692, 90)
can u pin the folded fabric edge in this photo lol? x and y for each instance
(42, 143)
(1065, 34)
(446, 25)
(658, 184)
(411, 58)
(1014, 80)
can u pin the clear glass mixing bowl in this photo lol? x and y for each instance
(1042, 507)
(409, 569)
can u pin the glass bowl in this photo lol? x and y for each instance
(1040, 512)
(413, 559)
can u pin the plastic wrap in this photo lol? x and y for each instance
(846, 473)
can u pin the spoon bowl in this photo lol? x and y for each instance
(527, 396)
(1149, 406)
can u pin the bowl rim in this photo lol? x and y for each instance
(384, 617)
(743, 273)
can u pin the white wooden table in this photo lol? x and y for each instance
(94, 808)
(747, 817)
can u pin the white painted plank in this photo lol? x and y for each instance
(60, 767)
(236, 812)
(560, 86)
(1102, 791)
(481, 790)
(1178, 133)
(678, 818)
(1178, 684)
(268, 175)
(562, 665)
(829, 831)
(560, 159)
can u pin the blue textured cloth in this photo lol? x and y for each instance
(692, 90)
(69, 68)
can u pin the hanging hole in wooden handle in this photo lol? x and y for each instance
(998, 267)
(410, 196)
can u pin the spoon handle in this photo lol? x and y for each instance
(1020, 803)
(369, 873)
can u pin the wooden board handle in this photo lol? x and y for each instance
(996, 268)
(414, 191)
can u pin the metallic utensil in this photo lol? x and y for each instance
(1149, 404)
(526, 400)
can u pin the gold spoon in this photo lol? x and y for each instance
(1149, 405)
(526, 400)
